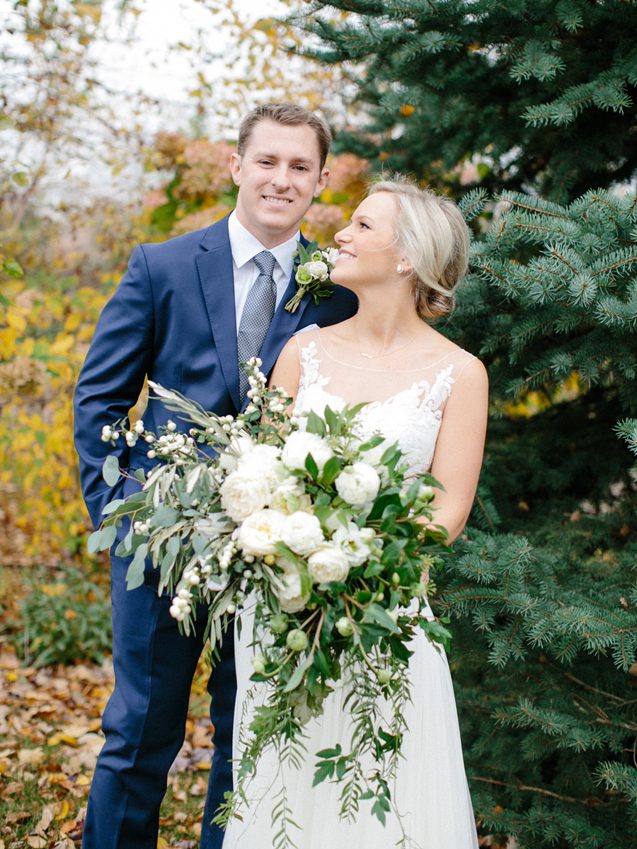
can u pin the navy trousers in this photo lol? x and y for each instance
(144, 721)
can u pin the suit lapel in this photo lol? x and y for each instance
(216, 277)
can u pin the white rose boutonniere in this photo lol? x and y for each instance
(312, 273)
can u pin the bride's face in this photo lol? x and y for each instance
(368, 249)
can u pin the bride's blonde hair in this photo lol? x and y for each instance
(432, 233)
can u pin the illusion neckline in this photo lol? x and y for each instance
(416, 369)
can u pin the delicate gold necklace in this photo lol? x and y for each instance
(383, 351)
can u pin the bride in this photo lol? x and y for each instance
(403, 254)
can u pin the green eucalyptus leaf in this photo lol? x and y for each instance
(110, 469)
(135, 573)
(164, 516)
(112, 506)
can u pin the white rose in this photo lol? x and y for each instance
(358, 484)
(299, 444)
(264, 461)
(317, 269)
(331, 255)
(352, 543)
(242, 493)
(289, 496)
(288, 591)
(328, 564)
(237, 448)
(302, 533)
(260, 532)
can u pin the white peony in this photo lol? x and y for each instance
(260, 532)
(357, 484)
(264, 461)
(242, 493)
(328, 564)
(288, 591)
(299, 444)
(318, 269)
(302, 533)
(352, 543)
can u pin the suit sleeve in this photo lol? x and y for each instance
(112, 377)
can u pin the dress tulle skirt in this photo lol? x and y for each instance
(430, 789)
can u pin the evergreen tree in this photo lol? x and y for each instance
(540, 92)
(543, 590)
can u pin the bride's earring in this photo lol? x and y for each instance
(399, 269)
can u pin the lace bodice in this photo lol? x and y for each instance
(404, 405)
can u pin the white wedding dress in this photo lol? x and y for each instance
(430, 790)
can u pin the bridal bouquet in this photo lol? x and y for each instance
(317, 531)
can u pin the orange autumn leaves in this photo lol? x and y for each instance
(49, 740)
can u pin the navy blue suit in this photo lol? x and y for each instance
(172, 318)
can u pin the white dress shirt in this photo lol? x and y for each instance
(245, 247)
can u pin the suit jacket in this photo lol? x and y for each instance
(173, 318)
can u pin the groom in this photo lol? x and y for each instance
(177, 316)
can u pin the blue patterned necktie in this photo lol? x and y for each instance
(257, 315)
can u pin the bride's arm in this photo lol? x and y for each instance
(287, 369)
(459, 448)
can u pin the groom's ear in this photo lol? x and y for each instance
(235, 168)
(321, 183)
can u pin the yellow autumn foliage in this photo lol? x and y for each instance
(47, 320)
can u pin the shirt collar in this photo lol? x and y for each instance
(245, 246)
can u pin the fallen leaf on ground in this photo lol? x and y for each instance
(30, 757)
(17, 816)
(48, 815)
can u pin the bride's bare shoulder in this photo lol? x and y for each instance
(437, 345)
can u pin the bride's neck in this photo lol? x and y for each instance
(384, 323)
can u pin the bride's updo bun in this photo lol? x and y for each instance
(432, 233)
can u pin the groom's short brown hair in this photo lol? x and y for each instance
(288, 114)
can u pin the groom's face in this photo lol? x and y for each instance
(278, 174)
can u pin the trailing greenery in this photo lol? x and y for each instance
(521, 86)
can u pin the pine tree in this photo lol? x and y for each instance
(540, 92)
(543, 589)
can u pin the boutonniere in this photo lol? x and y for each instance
(313, 267)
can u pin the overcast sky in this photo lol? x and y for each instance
(167, 73)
